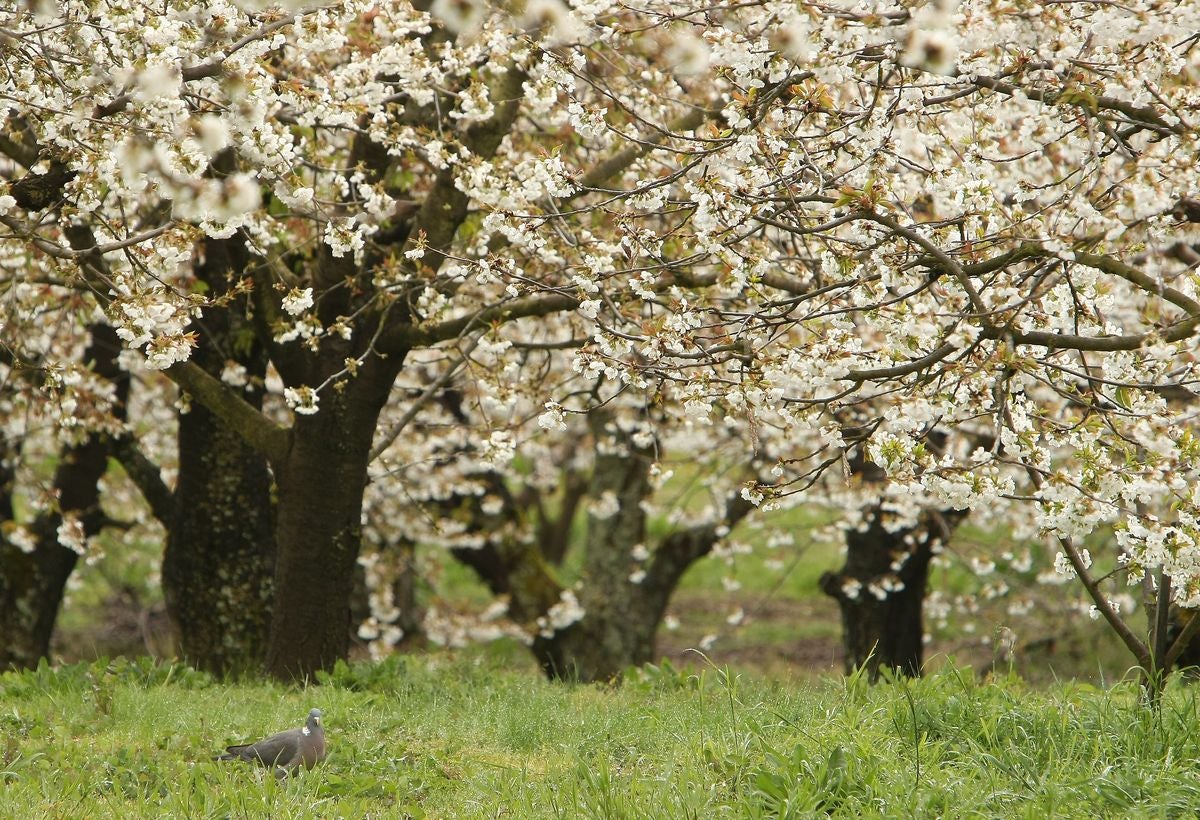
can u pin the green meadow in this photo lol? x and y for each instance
(437, 736)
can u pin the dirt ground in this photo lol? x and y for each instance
(760, 644)
(777, 637)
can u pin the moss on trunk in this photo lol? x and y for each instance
(219, 561)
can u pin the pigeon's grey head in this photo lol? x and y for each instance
(314, 718)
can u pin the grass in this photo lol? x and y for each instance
(431, 738)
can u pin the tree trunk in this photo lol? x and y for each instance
(623, 600)
(597, 648)
(320, 485)
(31, 589)
(883, 625)
(609, 640)
(411, 620)
(617, 628)
(219, 561)
(32, 583)
(388, 594)
(1189, 658)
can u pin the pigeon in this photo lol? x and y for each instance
(285, 751)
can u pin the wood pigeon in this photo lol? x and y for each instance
(286, 751)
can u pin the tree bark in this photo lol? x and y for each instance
(32, 583)
(624, 601)
(320, 484)
(618, 626)
(884, 628)
(219, 561)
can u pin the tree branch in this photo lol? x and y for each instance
(1141, 279)
(524, 307)
(212, 68)
(262, 434)
(444, 209)
(423, 399)
(902, 369)
(1179, 331)
(679, 550)
(1131, 641)
(147, 476)
(621, 160)
(1145, 116)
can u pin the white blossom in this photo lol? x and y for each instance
(297, 301)
(302, 400)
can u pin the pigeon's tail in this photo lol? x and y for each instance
(233, 753)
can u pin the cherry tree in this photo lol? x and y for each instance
(506, 509)
(930, 237)
(992, 249)
(125, 171)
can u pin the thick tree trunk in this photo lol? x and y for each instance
(32, 583)
(219, 562)
(31, 591)
(319, 523)
(624, 600)
(610, 639)
(883, 625)
(617, 628)
(598, 648)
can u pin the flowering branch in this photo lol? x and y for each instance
(1132, 642)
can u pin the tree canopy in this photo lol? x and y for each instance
(955, 241)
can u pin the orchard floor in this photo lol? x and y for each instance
(778, 637)
(124, 627)
(438, 737)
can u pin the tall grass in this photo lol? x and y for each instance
(423, 738)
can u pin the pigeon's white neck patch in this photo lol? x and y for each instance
(306, 731)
